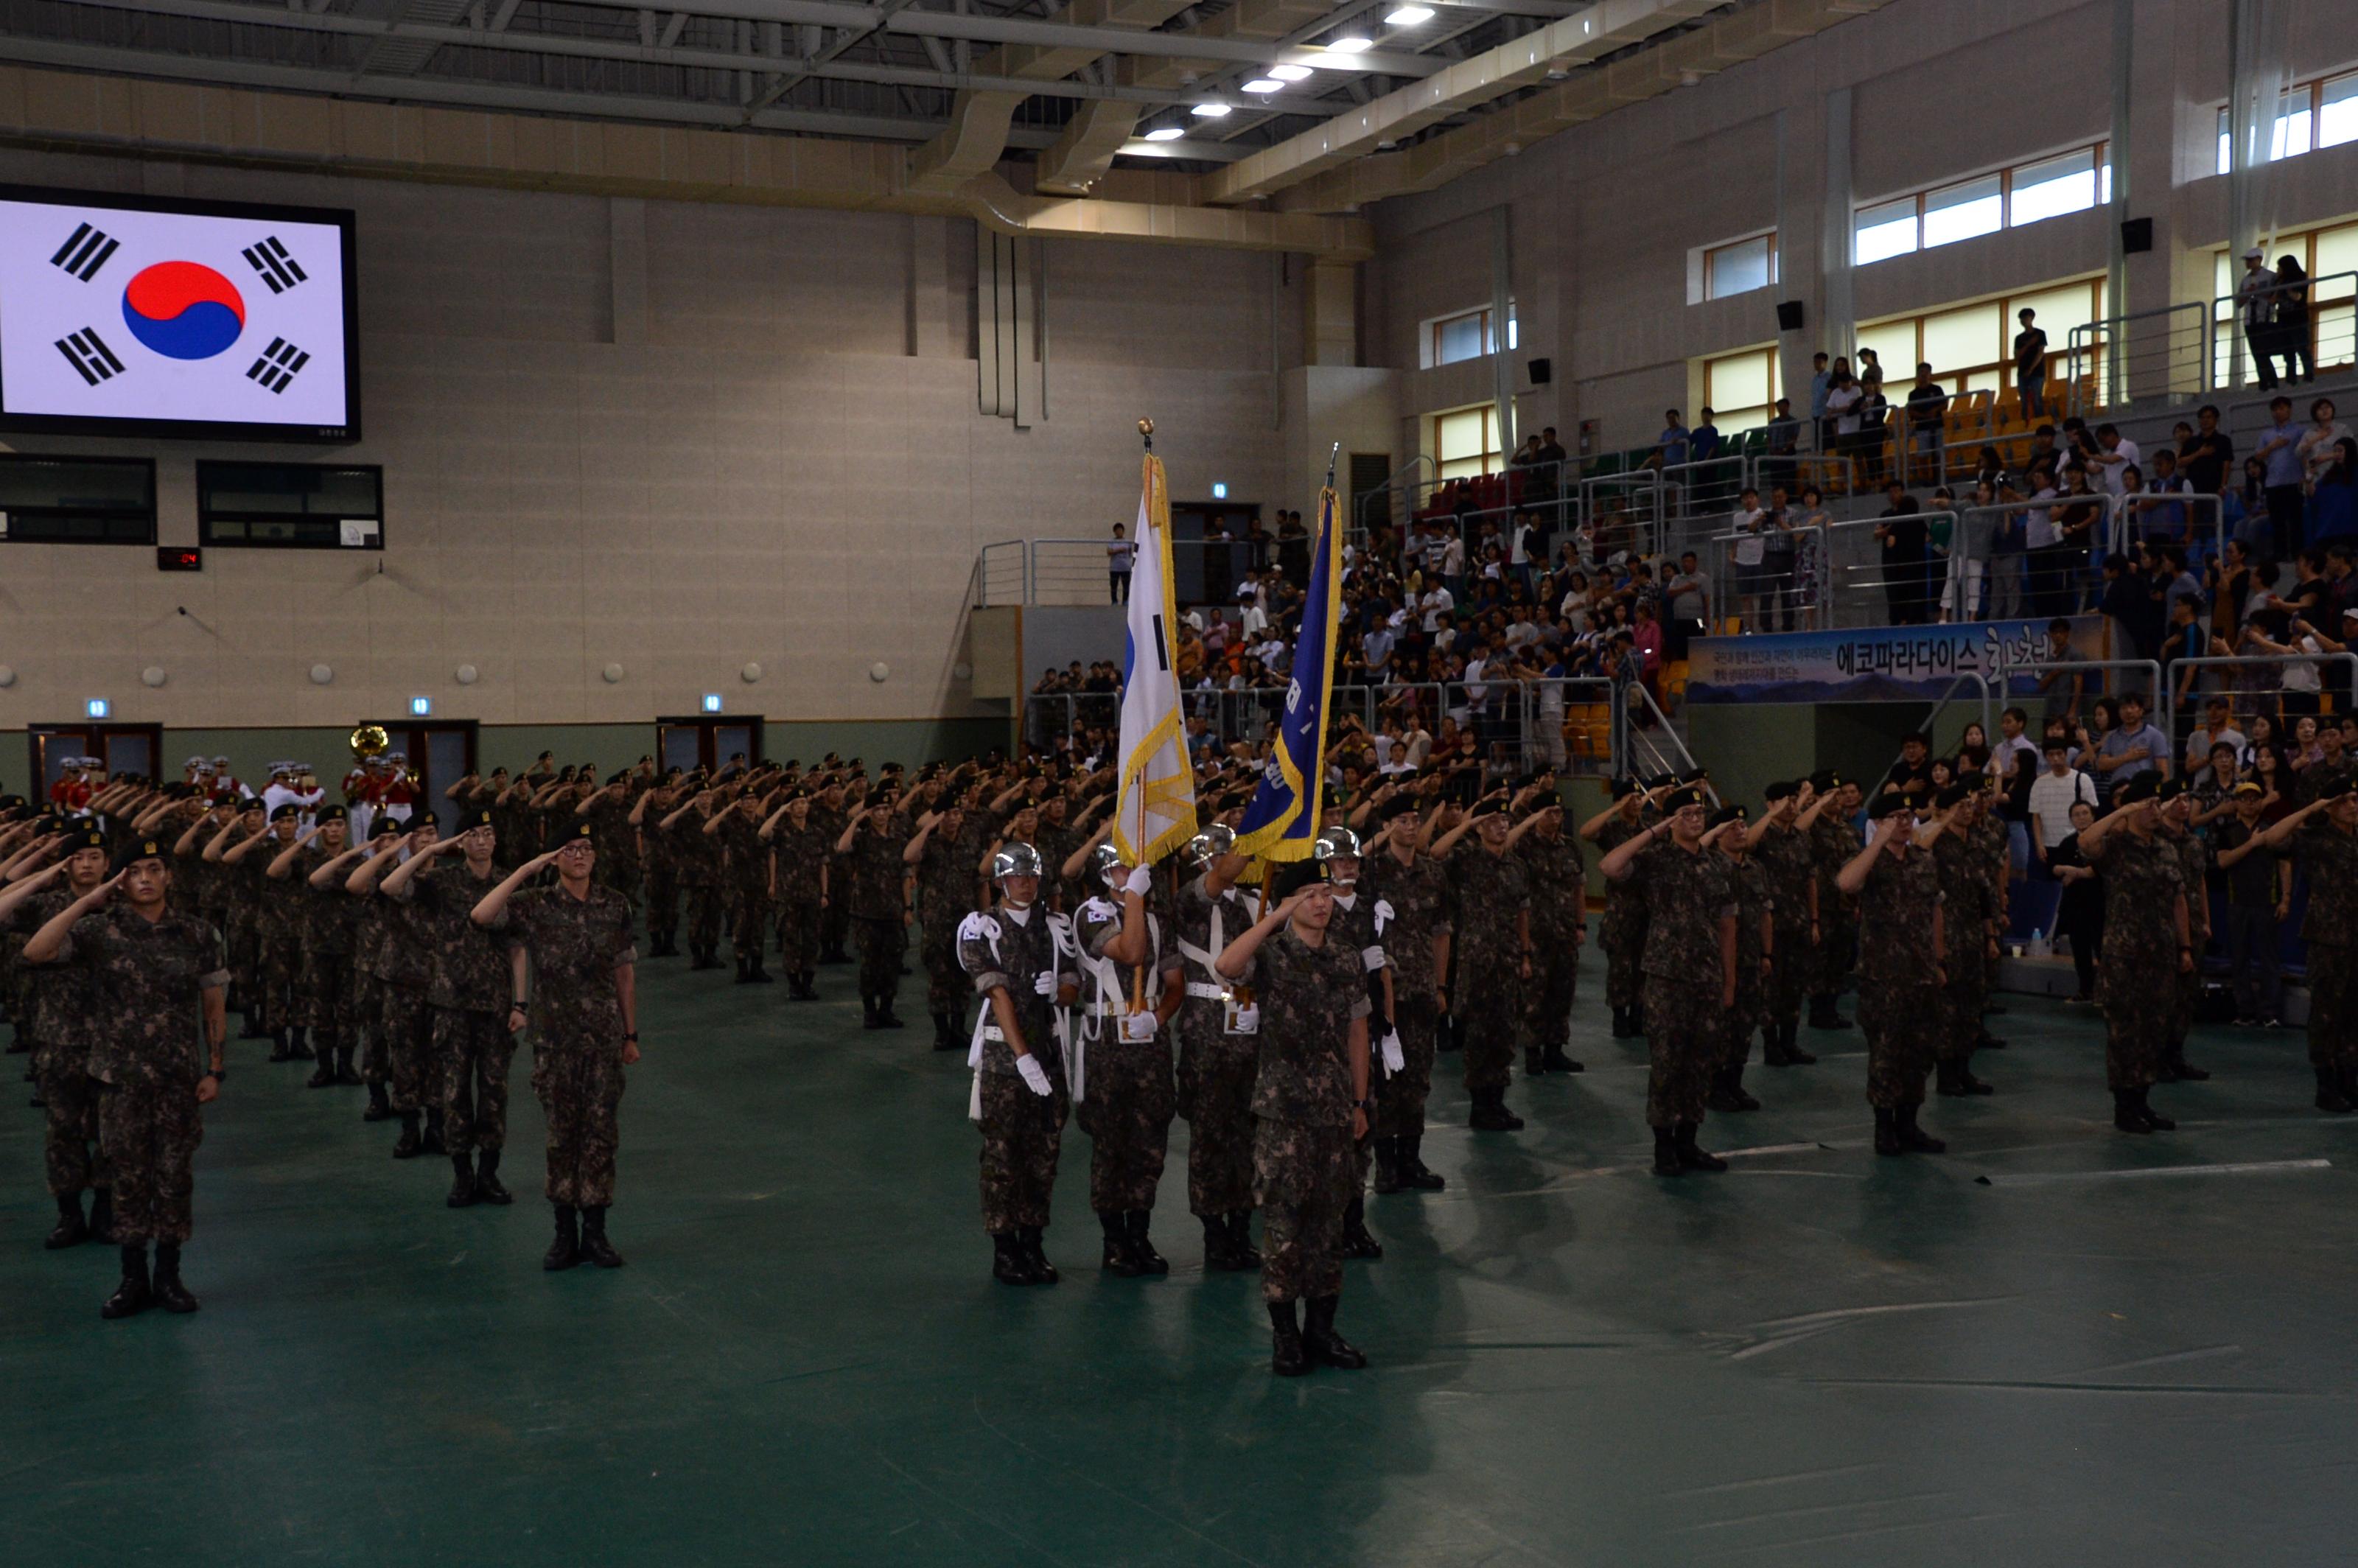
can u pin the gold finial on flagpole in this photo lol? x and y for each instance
(1146, 433)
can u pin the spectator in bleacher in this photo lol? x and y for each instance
(1293, 549)
(2292, 320)
(2334, 509)
(2256, 308)
(1671, 447)
(1780, 441)
(1746, 553)
(2187, 639)
(1969, 546)
(2114, 454)
(2030, 366)
(1779, 561)
(1822, 380)
(2131, 602)
(2053, 795)
(1905, 540)
(1702, 442)
(1870, 371)
(1527, 459)
(2218, 728)
(1453, 562)
(2205, 457)
(1843, 398)
(1928, 412)
(2076, 518)
(1874, 431)
(1646, 639)
(1121, 555)
(1813, 565)
(2279, 449)
(2002, 596)
(2320, 444)
(2137, 747)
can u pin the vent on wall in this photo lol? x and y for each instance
(1012, 379)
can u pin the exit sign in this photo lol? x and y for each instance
(179, 558)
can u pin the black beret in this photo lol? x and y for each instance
(1694, 775)
(327, 814)
(2143, 787)
(579, 830)
(2170, 789)
(470, 820)
(1681, 798)
(284, 810)
(1625, 787)
(1825, 781)
(1726, 815)
(85, 838)
(1783, 789)
(1291, 877)
(1888, 803)
(139, 849)
(1401, 805)
(1953, 796)
(1661, 781)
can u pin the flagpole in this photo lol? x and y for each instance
(1138, 972)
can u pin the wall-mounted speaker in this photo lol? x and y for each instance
(1542, 371)
(1789, 316)
(2136, 235)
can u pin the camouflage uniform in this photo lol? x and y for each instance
(1995, 846)
(745, 869)
(278, 906)
(1965, 906)
(1419, 895)
(369, 1044)
(1558, 882)
(2194, 867)
(1687, 895)
(1623, 929)
(2328, 928)
(1303, 1172)
(697, 854)
(55, 1012)
(2322, 778)
(1834, 844)
(800, 854)
(1754, 905)
(470, 992)
(240, 896)
(1899, 976)
(1215, 1068)
(1127, 1097)
(402, 1046)
(616, 843)
(324, 919)
(2137, 982)
(945, 883)
(661, 874)
(879, 908)
(144, 982)
(1022, 1132)
(575, 945)
(512, 825)
(1491, 890)
(1784, 857)
(1360, 923)
(835, 920)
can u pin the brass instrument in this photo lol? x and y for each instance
(368, 741)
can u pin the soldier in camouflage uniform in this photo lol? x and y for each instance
(470, 993)
(615, 833)
(1783, 852)
(1417, 948)
(1623, 932)
(366, 918)
(1360, 923)
(799, 852)
(402, 1043)
(1219, 1054)
(321, 916)
(661, 862)
(2146, 939)
(1309, 1106)
(830, 814)
(746, 878)
(240, 891)
(157, 986)
(2193, 852)
(2323, 836)
(1834, 844)
(276, 945)
(1558, 881)
(583, 1005)
(868, 849)
(1493, 949)
(1726, 831)
(54, 1012)
(1691, 942)
(939, 853)
(1899, 972)
(1125, 1100)
(2333, 772)
(1968, 929)
(1021, 974)
(695, 857)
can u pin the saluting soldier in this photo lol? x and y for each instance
(1756, 952)
(2147, 944)
(572, 962)
(1360, 923)
(1559, 892)
(1021, 972)
(277, 947)
(2193, 853)
(157, 989)
(239, 883)
(660, 858)
(798, 852)
(1122, 1091)
(1494, 955)
(1899, 971)
(698, 855)
(1417, 948)
(1309, 1108)
(1968, 930)
(1623, 931)
(747, 878)
(1690, 971)
(1834, 844)
(944, 870)
(1780, 847)
(402, 1048)
(54, 1013)
(868, 849)
(1218, 1052)
(2323, 836)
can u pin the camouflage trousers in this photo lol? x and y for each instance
(1021, 1134)
(1625, 984)
(663, 906)
(1685, 1040)
(244, 951)
(1401, 1097)
(703, 918)
(472, 1051)
(1901, 1024)
(622, 873)
(881, 943)
(1214, 1090)
(2332, 1006)
(947, 986)
(150, 1133)
(1130, 1100)
(2185, 995)
(835, 920)
(277, 967)
(1959, 1023)
(1789, 979)
(581, 1093)
(401, 1045)
(1548, 996)
(748, 921)
(1302, 1179)
(1737, 1024)
(798, 932)
(71, 1151)
(1837, 955)
(1489, 999)
(2138, 996)
(329, 1002)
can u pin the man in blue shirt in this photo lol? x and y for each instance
(1703, 439)
(2280, 449)
(1671, 445)
(2137, 747)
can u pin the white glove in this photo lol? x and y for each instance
(1141, 881)
(1035, 1074)
(1395, 1059)
(1044, 983)
(1139, 1026)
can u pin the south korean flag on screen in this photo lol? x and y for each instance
(112, 313)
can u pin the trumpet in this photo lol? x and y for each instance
(368, 741)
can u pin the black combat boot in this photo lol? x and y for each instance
(1287, 1357)
(1823, 1013)
(1008, 1264)
(101, 1215)
(132, 1296)
(1772, 1047)
(1043, 1271)
(1357, 1241)
(566, 1250)
(1969, 1085)
(1219, 1251)
(2179, 1069)
(2331, 1097)
(300, 1044)
(1794, 1054)
(73, 1229)
(868, 1011)
(170, 1295)
(1142, 1248)
(1621, 1028)
(1914, 1139)
(809, 991)
(1666, 1153)
(432, 1142)
(408, 1146)
(1387, 1173)
(345, 1075)
(1555, 1061)
(2154, 1120)
(885, 1017)
(462, 1183)
(1744, 1100)
(1321, 1344)
(1944, 1078)
(1637, 1018)
(488, 1185)
(324, 1074)
(279, 1050)
(1414, 1173)
(594, 1245)
(1691, 1156)
(380, 1109)
(1531, 1058)
(2124, 1112)
(1720, 1097)
(1119, 1261)
(1240, 1238)
(252, 1029)
(756, 973)
(1886, 1131)
(744, 971)
(946, 1032)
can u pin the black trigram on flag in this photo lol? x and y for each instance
(278, 269)
(88, 352)
(279, 364)
(85, 252)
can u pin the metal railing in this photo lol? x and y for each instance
(2161, 353)
(2198, 522)
(1002, 574)
(1782, 591)
(2253, 696)
(2329, 338)
(1863, 589)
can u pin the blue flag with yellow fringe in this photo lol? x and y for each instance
(1282, 823)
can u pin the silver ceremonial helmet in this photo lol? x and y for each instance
(1210, 844)
(1015, 861)
(1335, 844)
(1105, 860)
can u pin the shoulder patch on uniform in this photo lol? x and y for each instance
(978, 927)
(1100, 909)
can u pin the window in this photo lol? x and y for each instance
(1466, 443)
(1740, 267)
(2322, 113)
(2329, 256)
(1466, 335)
(1740, 389)
(77, 500)
(1970, 347)
(291, 505)
(2046, 187)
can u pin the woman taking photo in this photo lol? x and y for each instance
(2079, 912)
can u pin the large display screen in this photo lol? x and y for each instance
(143, 316)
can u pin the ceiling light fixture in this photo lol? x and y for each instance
(1289, 72)
(1264, 84)
(1211, 110)
(1165, 133)
(1350, 46)
(1410, 16)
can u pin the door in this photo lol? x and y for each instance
(710, 743)
(121, 748)
(440, 755)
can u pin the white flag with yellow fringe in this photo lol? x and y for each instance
(1156, 811)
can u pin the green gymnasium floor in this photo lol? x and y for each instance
(2121, 1351)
